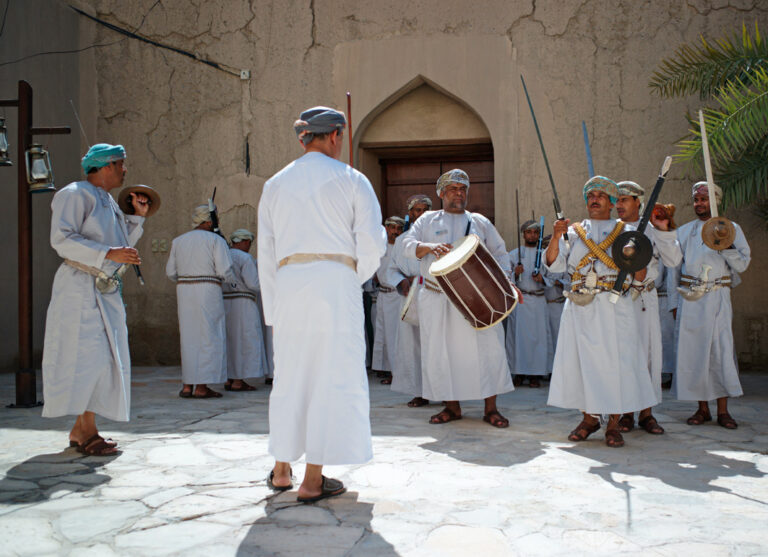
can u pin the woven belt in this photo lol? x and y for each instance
(230, 295)
(706, 286)
(93, 271)
(432, 285)
(198, 279)
(531, 293)
(560, 300)
(386, 289)
(661, 293)
(312, 257)
(604, 284)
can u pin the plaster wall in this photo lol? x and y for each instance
(189, 127)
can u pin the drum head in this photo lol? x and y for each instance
(718, 233)
(632, 251)
(462, 249)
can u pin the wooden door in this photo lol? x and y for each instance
(404, 178)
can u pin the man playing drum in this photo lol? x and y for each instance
(402, 270)
(388, 308)
(458, 361)
(599, 365)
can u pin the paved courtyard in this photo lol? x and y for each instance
(190, 480)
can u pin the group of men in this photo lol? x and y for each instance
(606, 360)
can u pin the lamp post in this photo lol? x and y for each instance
(26, 388)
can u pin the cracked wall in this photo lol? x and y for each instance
(185, 124)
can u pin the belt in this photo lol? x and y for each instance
(532, 293)
(230, 295)
(198, 279)
(312, 257)
(559, 300)
(604, 284)
(661, 293)
(386, 289)
(706, 286)
(93, 271)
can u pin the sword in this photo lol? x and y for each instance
(537, 267)
(349, 128)
(590, 166)
(517, 203)
(629, 245)
(555, 199)
(718, 232)
(214, 214)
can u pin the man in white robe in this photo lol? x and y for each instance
(599, 368)
(706, 359)
(387, 307)
(402, 271)
(86, 361)
(667, 294)
(458, 362)
(319, 239)
(528, 339)
(199, 263)
(628, 207)
(246, 356)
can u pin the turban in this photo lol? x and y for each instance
(701, 188)
(455, 176)
(241, 234)
(530, 225)
(320, 119)
(603, 184)
(394, 220)
(419, 199)
(633, 189)
(101, 155)
(201, 214)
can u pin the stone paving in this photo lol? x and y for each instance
(190, 480)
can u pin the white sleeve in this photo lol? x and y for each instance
(370, 236)
(170, 267)
(70, 208)
(266, 258)
(250, 274)
(738, 256)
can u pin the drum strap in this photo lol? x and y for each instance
(596, 251)
(469, 224)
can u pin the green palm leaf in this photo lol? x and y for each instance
(709, 67)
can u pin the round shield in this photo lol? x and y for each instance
(631, 251)
(718, 233)
(125, 203)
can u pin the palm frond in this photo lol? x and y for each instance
(744, 181)
(709, 67)
(739, 123)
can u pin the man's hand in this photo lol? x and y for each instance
(438, 250)
(658, 223)
(519, 269)
(124, 255)
(404, 287)
(140, 203)
(674, 314)
(538, 278)
(559, 228)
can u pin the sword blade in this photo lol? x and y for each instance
(590, 166)
(708, 166)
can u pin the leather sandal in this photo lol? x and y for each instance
(725, 420)
(444, 416)
(627, 423)
(699, 418)
(614, 439)
(96, 446)
(495, 418)
(417, 402)
(650, 425)
(583, 430)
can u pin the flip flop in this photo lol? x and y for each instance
(329, 488)
(274, 487)
(243, 387)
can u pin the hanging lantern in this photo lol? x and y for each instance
(39, 172)
(5, 160)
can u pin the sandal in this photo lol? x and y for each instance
(725, 420)
(650, 425)
(329, 488)
(627, 423)
(534, 383)
(243, 387)
(583, 430)
(417, 402)
(274, 487)
(185, 394)
(109, 442)
(209, 393)
(495, 418)
(517, 380)
(444, 416)
(96, 446)
(614, 439)
(386, 381)
(699, 418)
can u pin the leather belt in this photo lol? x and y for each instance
(531, 293)
(560, 300)
(604, 284)
(689, 281)
(198, 279)
(386, 289)
(312, 257)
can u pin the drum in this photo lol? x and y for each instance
(475, 283)
(409, 312)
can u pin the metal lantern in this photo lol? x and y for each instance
(5, 160)
(39, 171)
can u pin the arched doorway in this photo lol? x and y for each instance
(418, 137)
